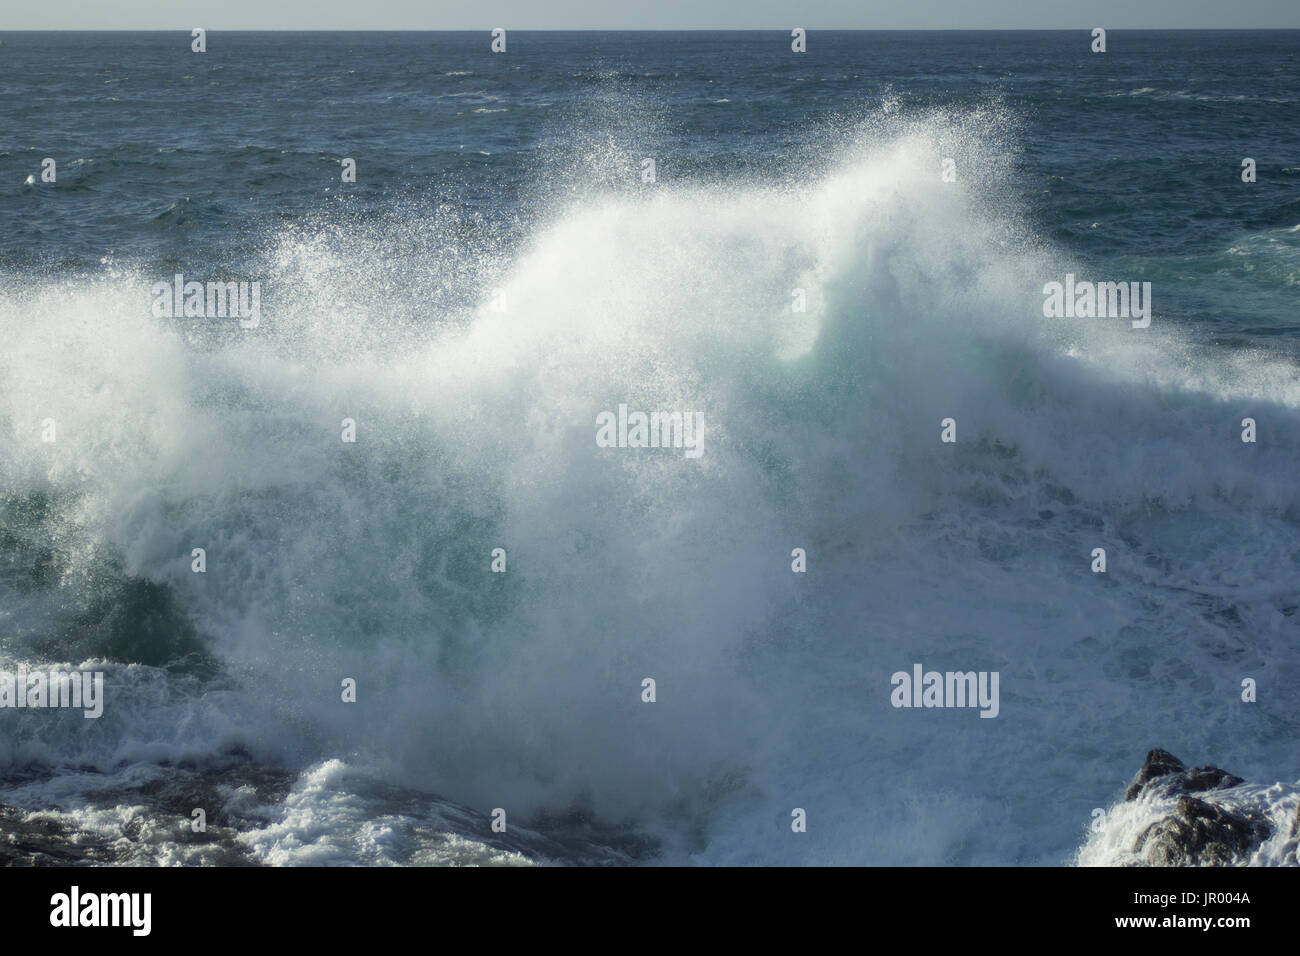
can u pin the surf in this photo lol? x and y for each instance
(370, 560)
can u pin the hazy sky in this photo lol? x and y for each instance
(643, 14)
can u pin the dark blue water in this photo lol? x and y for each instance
(169, 157)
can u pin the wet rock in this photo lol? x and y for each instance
(1202, 834)
(1173, 775)
(1196, 831)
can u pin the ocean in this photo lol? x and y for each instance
(824, 256)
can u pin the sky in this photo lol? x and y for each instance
(646, 14)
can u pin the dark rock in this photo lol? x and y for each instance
(1197, 832)
(1161, 764)
(1202, 834)
(237, 796)
(1210, 778)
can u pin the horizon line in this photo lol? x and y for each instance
(1146, 29)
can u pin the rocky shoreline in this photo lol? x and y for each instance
(148, 823)
(1206, 816)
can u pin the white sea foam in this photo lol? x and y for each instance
(371, 560)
